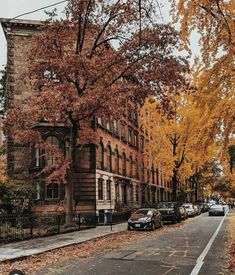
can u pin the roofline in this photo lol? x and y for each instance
(21, 21)
(8, 22)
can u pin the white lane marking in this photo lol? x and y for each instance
(200, 259)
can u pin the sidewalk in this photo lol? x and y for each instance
(38, 245)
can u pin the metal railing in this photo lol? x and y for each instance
(14, 228)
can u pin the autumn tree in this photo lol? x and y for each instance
(175, 140)
(214, 74)
(91, 63)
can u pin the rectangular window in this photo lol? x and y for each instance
(108, 189)
(108, 126)
(100, 189)
(52, 191)
(135, 118)
(130, 135)
(136, 140)
(115, 127)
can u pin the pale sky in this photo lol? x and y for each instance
(13, 8)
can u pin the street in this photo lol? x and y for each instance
(176, 251)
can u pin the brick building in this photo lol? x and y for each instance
(112, 174)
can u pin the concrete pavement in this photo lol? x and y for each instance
(35, 246)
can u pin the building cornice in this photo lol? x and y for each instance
(19, 26)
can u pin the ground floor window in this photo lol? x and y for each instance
(100, 189)
(52, 191)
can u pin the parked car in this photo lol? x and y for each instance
(197, 209)
(145, 219)
(183, 212)
(217, 210)
(170, 211)
(190, 209)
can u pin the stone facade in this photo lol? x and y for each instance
(112, 174)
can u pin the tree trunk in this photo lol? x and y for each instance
(174, 185)
(69, 185)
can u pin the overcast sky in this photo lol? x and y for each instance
(13, 8)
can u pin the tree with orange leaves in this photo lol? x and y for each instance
(89, 64)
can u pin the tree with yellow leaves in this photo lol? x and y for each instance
(214, 75)
(176, 141)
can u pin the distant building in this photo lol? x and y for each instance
(113, 174)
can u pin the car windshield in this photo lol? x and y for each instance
(188, 206)
(166, 205)
(216, 207)
(145, 212)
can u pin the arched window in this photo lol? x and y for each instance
(131, 166)
(116, 156)
(100, 163)
(50, 158)
(109, 159)
(124, 164)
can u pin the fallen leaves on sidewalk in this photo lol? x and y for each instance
(85, 249)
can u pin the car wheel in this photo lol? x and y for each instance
(161, 223)
(174, 220)
(153, 227)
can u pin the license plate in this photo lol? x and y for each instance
(137, 225)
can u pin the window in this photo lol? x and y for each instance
(124, 164)
(137, 169)
(52, 191)
(115, 127)
(108, 189)
(130, 135)
(100, 189)
(109, 159)
(131, 166)
(136, 139)
(153, 179)
(116, 156)
(99, 120)
(108, 126)
(123, 132)
(137, 191)
(143, 178)
(101, 156)
(49, 156)
(142, 143)
(135, 118)
(148, 175)
(157, 176)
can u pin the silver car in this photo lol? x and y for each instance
(217, 210)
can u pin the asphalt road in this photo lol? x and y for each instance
(176, 251)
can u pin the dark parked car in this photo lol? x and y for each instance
(170, 211)
(145, 219)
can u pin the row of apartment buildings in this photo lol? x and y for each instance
(112, 174)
